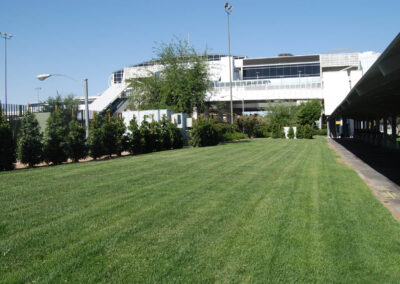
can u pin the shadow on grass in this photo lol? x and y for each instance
(383, 160)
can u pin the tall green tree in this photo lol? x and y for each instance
(134, 137)
(182, 83)
(30, 142)
(95, 141)
(76, 141)
(281, 114)
(122, 138)
(68, 105)
(309, 112)
(7, 145)
(55, 145)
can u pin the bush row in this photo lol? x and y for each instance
(209, 133)
(62, 140)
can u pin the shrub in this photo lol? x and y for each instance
(30, 145)
(76, 141)
(109, 132)
(155, 132)
(147, 139)
(55, 145)
(300, 132)
(308, 132)
(277, 132)
(7, 146)
(247, 124)
(231, 136)
(291, 133)
(165, 135)
(121, 137)
(134, 137)
(204, 133)
(261, 130)
(322, 132)
(177, 140)
(95, 141)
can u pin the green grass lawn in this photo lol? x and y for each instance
(260, 211)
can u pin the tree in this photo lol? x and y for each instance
(181, 85)
(67, 105)
(134, 137)
(7, 145)
(76, 141)
(55, 145)
(147, 139)
(247, 124)
(291, 133)
(281, 114)
(30, 145)
(204, 133)
(95, 141)
(110, 134)
(309, 112)
(122, 139)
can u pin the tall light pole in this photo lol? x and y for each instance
(228, 10)
(6, 37)
(84, 84)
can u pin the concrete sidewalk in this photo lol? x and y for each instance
(379, 168)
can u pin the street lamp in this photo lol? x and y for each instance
(228, 10)
(6, 37)
(84, 84)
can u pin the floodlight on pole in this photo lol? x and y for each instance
(6, 37)
(83, 84)
(228, 10)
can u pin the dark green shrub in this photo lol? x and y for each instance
(110, 134)
(308, 132)
(262, 130)
(165, 135)
(300, 132)
(134, 137)
(232, 136)
(55, 145)
(204, 133)
(177, 140)
(30, 146)
(121, 137)
(95, 141)
(277, 131)
(291, 133)
(7, 146)
(155, 132)
(76, 141)
(247, 124)
(147, 138)
(322, 132)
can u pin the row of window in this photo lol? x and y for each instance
(281, 71)
(118, 76)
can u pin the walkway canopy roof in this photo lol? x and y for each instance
(377, 93)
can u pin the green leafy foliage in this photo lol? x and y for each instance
(55, 145)
(7, 146)
(134, 137)
(76, 141)
(67, 105)
(291, 133)
(277, 131)
(309, 112)
(182, 83)
(281, 114)
(122, 138)
(30, 142)
(204, 133)
(308, 132)
(147, 138)
(95, 141)
(248, 124)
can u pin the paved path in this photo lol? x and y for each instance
(379, 168)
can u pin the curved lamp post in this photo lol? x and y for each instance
(84, 84)
(6, 37)
(228, 10)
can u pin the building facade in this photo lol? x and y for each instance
(257, 82)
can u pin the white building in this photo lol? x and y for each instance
(258, 81)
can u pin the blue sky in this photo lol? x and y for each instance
(92, 39)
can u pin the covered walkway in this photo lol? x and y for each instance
(373, 105)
